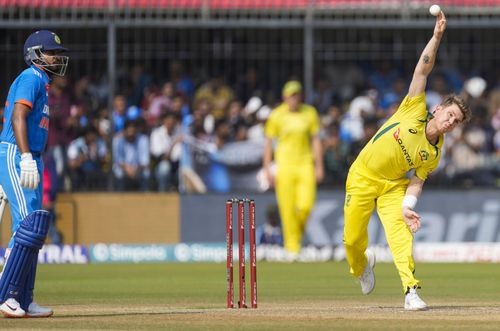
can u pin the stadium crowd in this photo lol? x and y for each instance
(138, 144)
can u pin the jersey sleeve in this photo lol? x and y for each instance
(424, 171)
(413, 107)
(27, 90)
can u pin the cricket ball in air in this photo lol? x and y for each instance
(435, 10)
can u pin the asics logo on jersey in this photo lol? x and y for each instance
(412, 131)
(403, 148)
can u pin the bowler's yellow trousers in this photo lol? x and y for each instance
(296, 194)
(364, 191)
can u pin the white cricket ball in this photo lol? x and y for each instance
(435, 10)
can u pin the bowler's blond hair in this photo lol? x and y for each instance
(453, 99)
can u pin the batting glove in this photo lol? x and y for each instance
(29, 173)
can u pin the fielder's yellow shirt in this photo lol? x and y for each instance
(401, 145)
(293, 130)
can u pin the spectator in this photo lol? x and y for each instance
(160, 103)
(181, 107)
(216, 176)
(77, 121)
(361, 107)
(165, 149)
(133, 113)
(256, 131)
(237, 125)
(139, 80)
(335, 156)
(218, 95)
(370, 127)
(383, 76)
(181, 80)
(103, 124)
(119, 112)
(83, 95)
(249, 86)
(324, 95)
(86, 156)
(60, 127)
(202, 116)
(333, 116)
(131, 159)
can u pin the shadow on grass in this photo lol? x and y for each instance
(130, 314)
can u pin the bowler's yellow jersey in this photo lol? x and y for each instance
(401, 144)
(293, 130)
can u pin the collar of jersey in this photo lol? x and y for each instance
(431, 116)
(34, 66)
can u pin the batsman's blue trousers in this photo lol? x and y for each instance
(22, 201)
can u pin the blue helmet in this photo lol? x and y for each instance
(41, 41)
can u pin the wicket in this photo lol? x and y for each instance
(241, 251)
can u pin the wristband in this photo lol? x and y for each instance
(409, 201)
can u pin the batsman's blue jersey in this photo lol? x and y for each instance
(30, 88)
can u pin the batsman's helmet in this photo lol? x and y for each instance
(42, 41)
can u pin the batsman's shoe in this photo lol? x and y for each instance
(367, 279)
(12, 308)
(34, 310)
(413, 301)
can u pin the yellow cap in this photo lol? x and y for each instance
(292, 87)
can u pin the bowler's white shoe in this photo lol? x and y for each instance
(413, 301)
(367, 279)
(12, 308)
(34, 310)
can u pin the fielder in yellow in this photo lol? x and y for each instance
(408, 145)
(299, 162)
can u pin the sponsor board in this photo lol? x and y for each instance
(193, 252)
(216, 252)
(274, 253)
(447, 216)
(119, 253)
(438, 252)
(58, 254)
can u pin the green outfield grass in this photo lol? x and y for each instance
(300, 296)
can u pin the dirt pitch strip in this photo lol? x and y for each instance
(306, 316)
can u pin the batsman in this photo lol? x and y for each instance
(23, 138)
(389, 174)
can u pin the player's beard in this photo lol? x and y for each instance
(59, 66)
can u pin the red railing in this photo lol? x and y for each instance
(232, 4)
